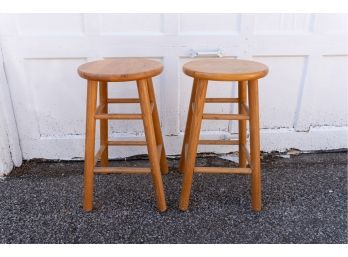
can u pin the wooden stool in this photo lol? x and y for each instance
(119, 70)
(246, 73)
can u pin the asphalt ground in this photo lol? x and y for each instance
(304, 201)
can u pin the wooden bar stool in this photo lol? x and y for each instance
(247, 74)
(120, 70)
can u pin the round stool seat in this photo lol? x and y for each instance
(120, 69)
(225, 69)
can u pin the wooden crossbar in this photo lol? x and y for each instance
(221, 100)
(222, 170)
(123, 100)
(119, 116)
(126, 170)
(215, 116)
(126, 142)
(218, 142)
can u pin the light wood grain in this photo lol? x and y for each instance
(193, 139)
(217, 116)
(99, 154)
(151, 144)
(122, 170)
(104, 127)
(157, 127)
(120, 69)
(188, 127)
(255, 145)
(100, 109)
(242, 125)
(246, 73)
(126, 142)
(221, 100)
(244, 108)
(225, 69)
(89, 145)
(123, 100)
(247, 154)
(222, 170)
(119, 116)
(219, 142)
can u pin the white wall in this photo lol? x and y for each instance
(303, 99)
(10, 152)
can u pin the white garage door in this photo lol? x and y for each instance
(303, 99)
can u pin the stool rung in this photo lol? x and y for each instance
(123, 100)
(129, 170)
(119, 116)
(124, 142)
(219, 142)
(222, 170)
(221, 100)
(215, 116)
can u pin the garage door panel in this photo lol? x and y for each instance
(50, 24)
(271, 23)
(58, 94)
(130, 23)
(280, 89)
(195, 23)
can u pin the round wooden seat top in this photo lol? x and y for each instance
(120, 69)
(225, 69)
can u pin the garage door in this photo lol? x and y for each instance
(303, 99)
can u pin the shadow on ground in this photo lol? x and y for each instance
(304, 201)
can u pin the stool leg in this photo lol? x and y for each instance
(188, 126)
(103, 93)
(254, 144)
(193, 143)
(242, 96)
(89, 145)
(151, 144)
(157, 127)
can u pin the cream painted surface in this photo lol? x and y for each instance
(279, 91)
(303, 100)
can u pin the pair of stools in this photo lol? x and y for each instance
(99, 73)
